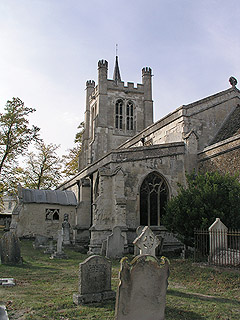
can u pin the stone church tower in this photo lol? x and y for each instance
(114, 112)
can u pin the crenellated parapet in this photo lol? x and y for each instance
(90, 83)
(120, 86)
(146, 71)
(102, 64)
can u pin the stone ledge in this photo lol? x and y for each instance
(79, 299)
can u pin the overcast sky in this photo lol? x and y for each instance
(49, 48)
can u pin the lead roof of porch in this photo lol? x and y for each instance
(66, 198)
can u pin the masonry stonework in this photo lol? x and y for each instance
(133, 166)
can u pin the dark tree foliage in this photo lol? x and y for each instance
(207, 197)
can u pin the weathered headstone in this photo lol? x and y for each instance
(59, 254)
(66, 230)
(141, 293)
(40, 241)
(115, 244)
(147, 242)
(50, 248)
(10, 249)
(94, 281)
(3, 313)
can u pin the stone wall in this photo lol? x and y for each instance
(223, 156)
(116, 200)
(31, 219)
(204, 117)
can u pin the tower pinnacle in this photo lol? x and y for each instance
(116, 74)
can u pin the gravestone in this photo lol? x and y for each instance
(59, 254)
(115, 244)
(141, 293)
(147, 242)
(94, 281)
(66, 230)
(10, 249)
(50, 248)
(40, 241)
(219, 253)
(3, 313)
(217, 237)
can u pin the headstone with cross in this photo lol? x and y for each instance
(147, 242)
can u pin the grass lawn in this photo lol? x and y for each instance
(45, 287)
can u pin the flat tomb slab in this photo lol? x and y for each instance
(7, 282)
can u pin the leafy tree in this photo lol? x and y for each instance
(207, 197)
(43, 168)
(15, 137)
(70, 161)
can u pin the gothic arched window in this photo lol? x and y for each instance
(119, 114)
(153, 197)
(129, 116)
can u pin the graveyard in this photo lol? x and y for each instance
(44, 288)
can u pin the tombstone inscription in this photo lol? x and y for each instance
(94, 281)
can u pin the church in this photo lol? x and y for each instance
(130, 166)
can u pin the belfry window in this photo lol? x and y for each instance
(129, 116)
(119, 114)
(153, 198)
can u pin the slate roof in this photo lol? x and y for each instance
(65, 198)
(230, 127)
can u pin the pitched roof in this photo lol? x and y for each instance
(230, 127)
(66, 198)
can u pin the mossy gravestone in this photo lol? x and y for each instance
(10, 249)
(142, 289)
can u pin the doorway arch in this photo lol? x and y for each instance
(154, 194)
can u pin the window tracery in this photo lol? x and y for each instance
(119, 114)
(129, 116)
(153, 197)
